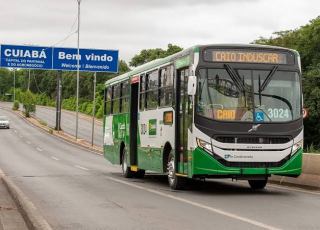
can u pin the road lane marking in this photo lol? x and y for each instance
(284, 187)
(293, 189)
(54, 158)
(199, 205)
(39, 149)
(80, 167)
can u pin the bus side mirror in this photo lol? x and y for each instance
(192, 85)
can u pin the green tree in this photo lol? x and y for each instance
(148, 55)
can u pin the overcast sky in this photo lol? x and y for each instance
(132, 25)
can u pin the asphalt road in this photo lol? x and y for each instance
(68, 122)
(76, 189)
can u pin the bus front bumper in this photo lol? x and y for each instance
(204, 165)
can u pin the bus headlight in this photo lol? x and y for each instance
(296, 147)
(204, 145)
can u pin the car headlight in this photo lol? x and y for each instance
(204, 145)
(296, 147)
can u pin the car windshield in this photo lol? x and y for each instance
(3, 119)
(249, 95)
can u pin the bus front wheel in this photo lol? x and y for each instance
(258, 184)
(126, 171)
(175, 182)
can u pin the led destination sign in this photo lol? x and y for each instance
(247, 56)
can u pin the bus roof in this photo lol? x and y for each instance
(161, 61)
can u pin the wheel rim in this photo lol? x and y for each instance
(171, 172)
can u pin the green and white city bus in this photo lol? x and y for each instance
(213, 111)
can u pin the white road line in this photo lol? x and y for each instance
(284, 187)
(39, 149)
(211, 209)
(80, 167)
(293, 189)
(54, 158)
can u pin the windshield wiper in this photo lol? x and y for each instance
(235, 77)
(268, 79)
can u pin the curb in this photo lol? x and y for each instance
(30, 214)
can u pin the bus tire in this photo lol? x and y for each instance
(175, 182)
(126, 171)
(139, 174)
(258, 184)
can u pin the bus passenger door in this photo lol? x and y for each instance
(181, 118)
(133, 121)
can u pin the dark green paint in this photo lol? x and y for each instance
(150, 159)
(204, 164)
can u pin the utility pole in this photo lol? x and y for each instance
(14, 85)
(58, 102)
(94, 105)
(29, 81)
(78, 67)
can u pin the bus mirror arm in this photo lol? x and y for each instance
(192, 85)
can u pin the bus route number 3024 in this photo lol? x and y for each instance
(278, 113)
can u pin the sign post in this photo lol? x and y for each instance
(94, 105)
(58, 102)
(14, 85)
(89, 60)
(58, 58)
(78, 69)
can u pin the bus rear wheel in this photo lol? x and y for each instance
(126, 171)
(175, 182)
(139, 174)
(258, 184)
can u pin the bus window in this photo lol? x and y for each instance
(166, 86)
(152, 89)
(124, 102)
(108, 97)
(116, 99)
(142, 92)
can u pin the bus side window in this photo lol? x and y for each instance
(108, 97)
(116, 99)
(124, 101)
(166, 86)
(152, 89)
(142, 92)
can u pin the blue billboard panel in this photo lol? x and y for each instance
(89, 60)
(29, 57)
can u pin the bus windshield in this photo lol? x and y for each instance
(249, 95)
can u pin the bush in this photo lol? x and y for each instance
(29, 102)
(16, 105)
(99, 113)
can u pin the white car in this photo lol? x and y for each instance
(4, 122)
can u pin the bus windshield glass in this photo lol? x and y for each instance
(249, 95)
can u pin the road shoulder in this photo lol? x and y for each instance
(10, 217)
